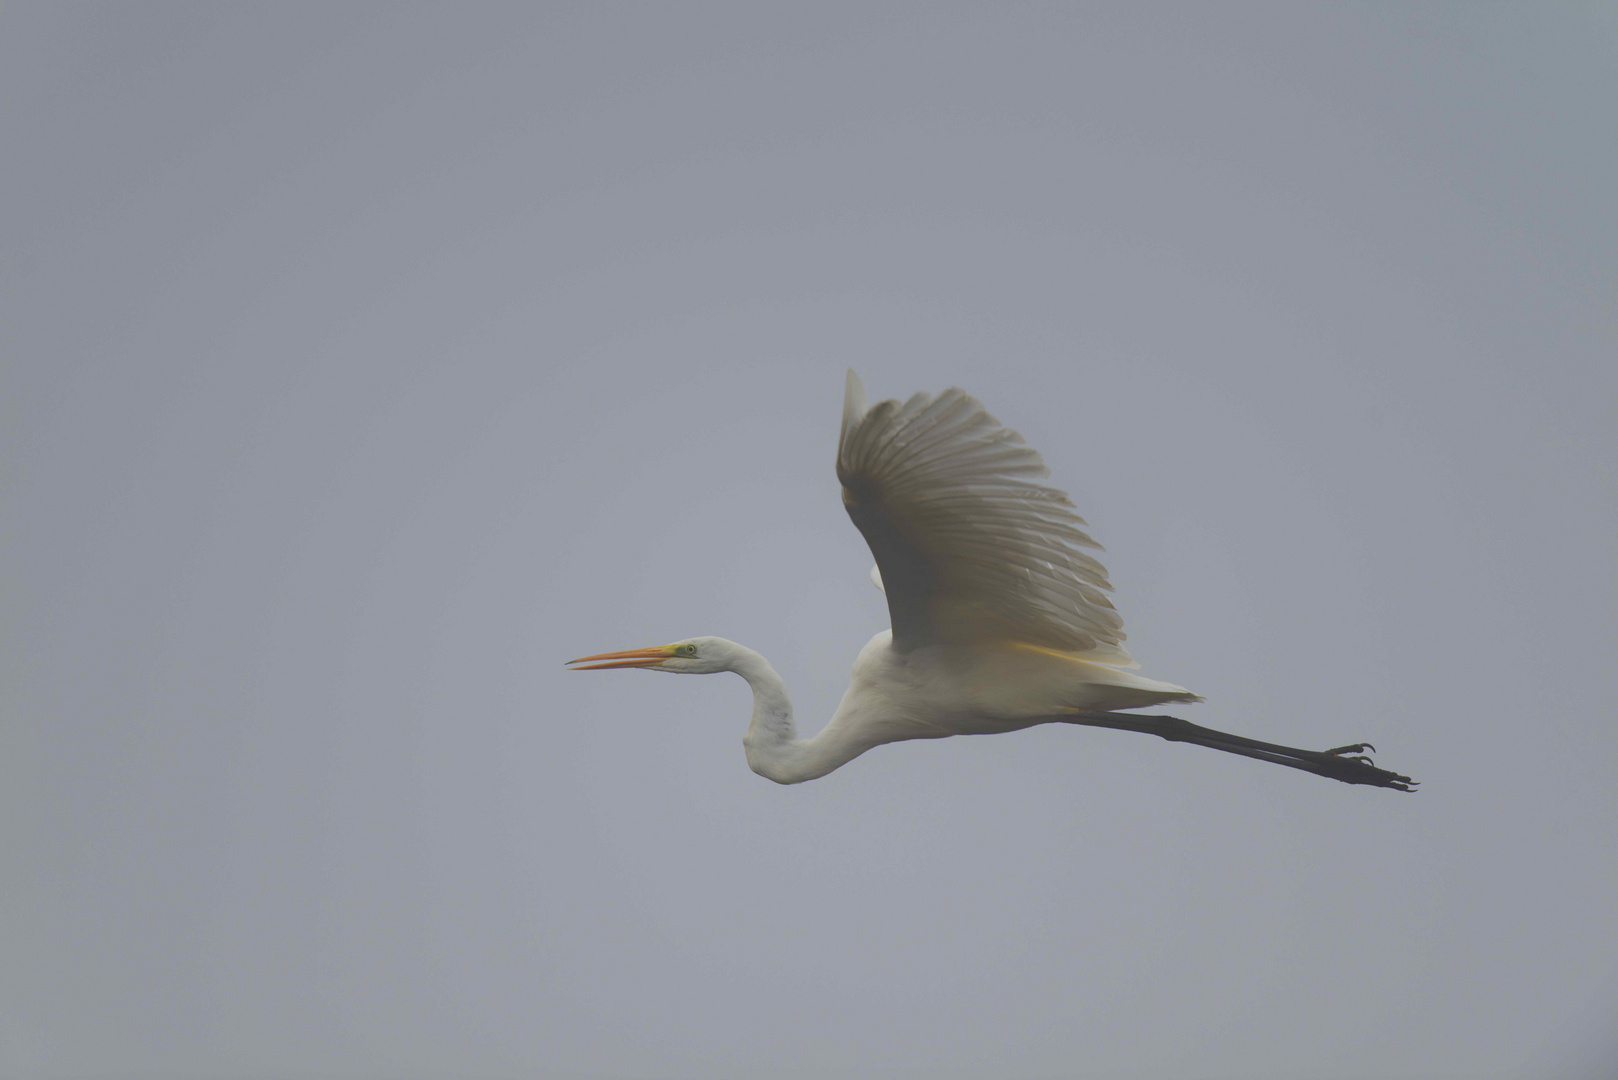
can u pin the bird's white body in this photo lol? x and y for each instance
(928, 693)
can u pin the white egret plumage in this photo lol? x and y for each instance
(1000, 619)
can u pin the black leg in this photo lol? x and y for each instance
(1346, 763)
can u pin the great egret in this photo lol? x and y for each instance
(1000, 622)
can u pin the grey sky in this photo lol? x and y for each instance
(362, 364)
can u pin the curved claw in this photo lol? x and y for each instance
(1344, 764)
(1352, 748)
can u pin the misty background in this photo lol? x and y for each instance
(361, 364)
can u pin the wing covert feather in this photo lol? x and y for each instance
(969, 547)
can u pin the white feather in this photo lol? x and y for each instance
(969, 548)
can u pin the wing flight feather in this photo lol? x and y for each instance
(968, 547)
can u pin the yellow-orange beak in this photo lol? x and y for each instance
(628, 658)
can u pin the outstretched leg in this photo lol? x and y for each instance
(1346, 763)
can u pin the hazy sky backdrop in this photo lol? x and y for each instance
(359, 364)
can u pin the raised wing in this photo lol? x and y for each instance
(968, 547)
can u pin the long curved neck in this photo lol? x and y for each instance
(772, 744)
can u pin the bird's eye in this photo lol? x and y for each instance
(691, 650)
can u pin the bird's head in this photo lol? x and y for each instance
(693, 656)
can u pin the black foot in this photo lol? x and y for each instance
(1352, 765)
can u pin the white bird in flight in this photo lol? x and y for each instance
(1000, 620)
